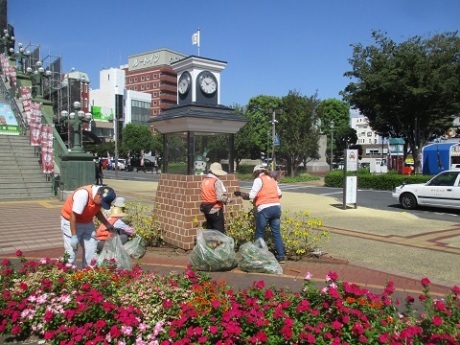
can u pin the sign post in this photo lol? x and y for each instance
(350, 183)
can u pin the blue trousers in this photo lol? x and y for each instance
(271, 216)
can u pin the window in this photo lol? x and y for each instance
(130, 80)
(148, 77)
(147, 86)
(154, 85)
(155, 76)
(142, 87)
(142, 78)
(369, 134)
(135, 79)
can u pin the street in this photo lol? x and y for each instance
(374, 199)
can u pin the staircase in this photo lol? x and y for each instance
(21, 177)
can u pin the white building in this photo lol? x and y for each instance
(112, 104)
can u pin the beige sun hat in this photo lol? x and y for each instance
(216, 169)
(259, 167)
(120, 202)
(117, 212)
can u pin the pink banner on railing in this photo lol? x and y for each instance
(35, 123)
(5, 66)
(13, 75)
(26, 95)
(47, 149)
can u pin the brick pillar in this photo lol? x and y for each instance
(177, 204)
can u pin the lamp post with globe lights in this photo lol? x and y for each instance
(21, 55)
(37, 78)
(75, 120)
(6, 40)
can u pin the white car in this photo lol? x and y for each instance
(443, 190)
(121, 164)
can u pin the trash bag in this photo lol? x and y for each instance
(214, 251)
(135, 247)
(255, 257)
(114, 253)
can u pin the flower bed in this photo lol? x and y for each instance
(54, 301)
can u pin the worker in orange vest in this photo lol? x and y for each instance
(213, 198)
(77, 220)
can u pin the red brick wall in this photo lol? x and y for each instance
(177, 204)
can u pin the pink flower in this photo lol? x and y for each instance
(331, 276)
(213, 329)
(383, 338)
(456, 290)
(18, 252)
(437, 321)
(308, 276)
(425, 282)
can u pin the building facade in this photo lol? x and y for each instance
(373, 144)
(113, 106)
(151, 73)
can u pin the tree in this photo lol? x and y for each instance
(409, 90)
(297, 129)
(344, 137)
(137, 138)
(330, 110)
(335, 117)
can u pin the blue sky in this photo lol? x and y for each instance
(271, 47)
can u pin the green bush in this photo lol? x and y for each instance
(367, 180)
(245, 169)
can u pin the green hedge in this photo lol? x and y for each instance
(374, 181)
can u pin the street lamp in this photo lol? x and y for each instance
(75, 119)
(37, 77)
(21, 55)
(332, 143)
(6, 40)
(273, 121)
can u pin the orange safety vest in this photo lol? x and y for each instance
(90, 210)
(208, 192)
(102, 233)
(269, 192)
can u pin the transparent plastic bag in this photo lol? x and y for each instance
(214, 251)
(135, 247)
(255, 257)
(114, 253)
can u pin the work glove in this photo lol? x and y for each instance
(74, 242)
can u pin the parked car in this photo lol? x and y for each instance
(121, 164)
(443, 190)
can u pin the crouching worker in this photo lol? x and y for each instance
(115, 219)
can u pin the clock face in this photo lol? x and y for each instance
(207, 82)
(184, 83)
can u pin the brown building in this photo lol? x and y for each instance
(151, 73)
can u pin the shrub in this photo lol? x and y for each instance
(374, 181)
(301, 235)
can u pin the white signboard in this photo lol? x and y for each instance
(352, 187)
(352, 160)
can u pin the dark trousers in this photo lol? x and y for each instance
(215, 221)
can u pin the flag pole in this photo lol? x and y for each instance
(199, 39)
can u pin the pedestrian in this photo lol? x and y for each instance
(266, 195)
(213, 198)
(77, 220)
(122, 229)
(99, 172)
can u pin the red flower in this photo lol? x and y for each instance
(422, 297)
(410, 299)
(18, 252)
(332, 276)
(259, 285)
(437, 321)
(456, 290)
(425, 282)
(383, 338)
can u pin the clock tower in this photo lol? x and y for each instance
(198, 80)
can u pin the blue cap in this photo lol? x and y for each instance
(108, 196)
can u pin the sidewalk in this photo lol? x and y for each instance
(367, 248)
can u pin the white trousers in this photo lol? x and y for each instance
(86, 234)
